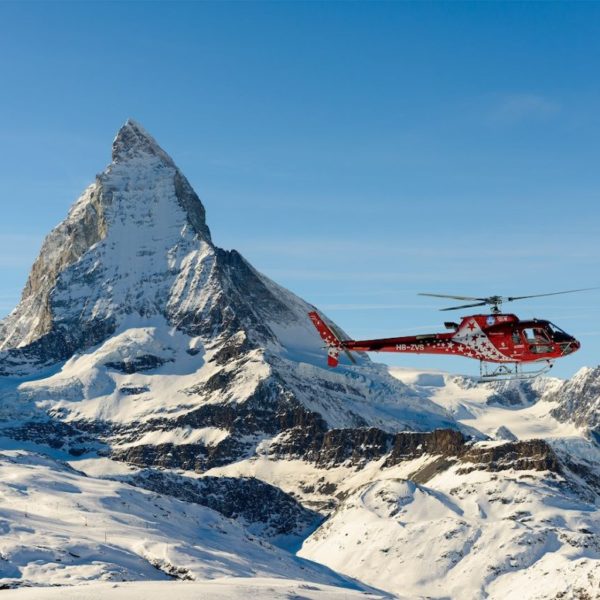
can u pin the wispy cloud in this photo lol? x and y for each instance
(391, 276)
(513, 108)
(359, 306)
(523, 246)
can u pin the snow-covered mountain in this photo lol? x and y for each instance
(166, 345)
(166, 411)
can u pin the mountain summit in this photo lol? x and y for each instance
(134, 142)
(134, 234)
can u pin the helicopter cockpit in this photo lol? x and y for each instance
(538, 339)
(541, 336)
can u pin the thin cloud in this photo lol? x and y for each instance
(280, 275)
(373, 306)
(514, 108)
(538, 248)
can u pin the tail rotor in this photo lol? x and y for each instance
(333, 339)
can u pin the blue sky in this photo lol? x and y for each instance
(357, 153)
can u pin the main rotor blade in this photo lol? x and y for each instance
(465, 306)
(511, 298)
(453, 297)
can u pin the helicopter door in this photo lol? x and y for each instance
(518, 343)
(537, 340)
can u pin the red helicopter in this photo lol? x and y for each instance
(501, 342)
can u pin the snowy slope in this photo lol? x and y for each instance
(238, 588)
(464, 536)
(523, 409)
(60, 527)
(470, 531)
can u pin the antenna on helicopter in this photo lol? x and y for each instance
(496, 301)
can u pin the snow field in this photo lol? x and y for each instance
(60, 527)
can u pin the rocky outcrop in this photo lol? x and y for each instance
(356, 447)
(579, 401)
(264, 509)
(534, 455)
(443, 442)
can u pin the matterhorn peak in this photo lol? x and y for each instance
(127, 246)
(134, 142)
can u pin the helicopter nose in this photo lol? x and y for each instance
(569, 346)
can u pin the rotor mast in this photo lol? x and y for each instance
(495, 303)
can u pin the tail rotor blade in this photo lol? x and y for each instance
(349, 355)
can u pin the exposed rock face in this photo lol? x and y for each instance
(357, 447)
(535, 455)
(84, 227)
(262, 508)
(504, 433)
(326, 448)
(516, 395)
(440, 442)
(579, 400)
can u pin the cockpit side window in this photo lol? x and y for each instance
(537, 340)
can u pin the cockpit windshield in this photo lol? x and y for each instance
(558, 335)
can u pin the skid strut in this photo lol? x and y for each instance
(510, 371)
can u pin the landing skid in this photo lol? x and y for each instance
(510, 371)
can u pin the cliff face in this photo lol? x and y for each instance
(579, 401)
(126, 247)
